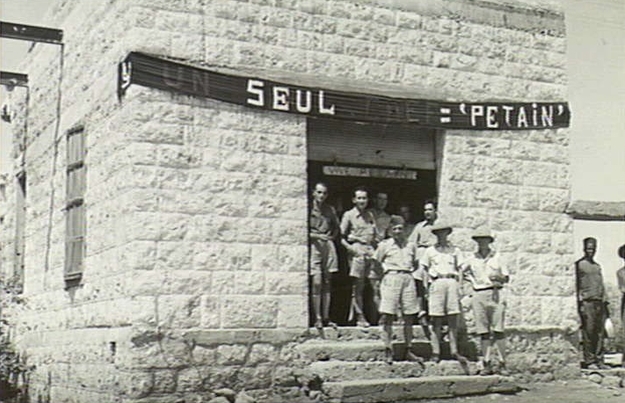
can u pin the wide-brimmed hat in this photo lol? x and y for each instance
(441, 226)
(483, 232)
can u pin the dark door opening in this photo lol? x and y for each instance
(398, 159)
(409, 192)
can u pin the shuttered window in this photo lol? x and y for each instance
(75, 225)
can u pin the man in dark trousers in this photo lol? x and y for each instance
(620, 276)
(591, 299)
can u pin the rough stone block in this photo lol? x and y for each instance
(261, 353)
(553, 200)
(291, 283)
(249, 311)
(249, 283)
(165, 381)
(179, 311)
(496, 170)
(293, 311)
(229, 355)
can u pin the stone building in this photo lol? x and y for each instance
(164, 156)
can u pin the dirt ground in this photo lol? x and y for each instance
(578, 391)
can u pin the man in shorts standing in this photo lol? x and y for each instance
(487, 277)
(398, 295)
(324, 227)
(358, 237)
(440, 261)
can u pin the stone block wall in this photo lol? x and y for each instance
(72, 337)
(518, 184)
(196, 210)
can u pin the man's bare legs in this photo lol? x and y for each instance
(358, 289)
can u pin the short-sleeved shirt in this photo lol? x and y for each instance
(360, 224)
(323, 220)
(395, 256)
(481, 268)
(589, 281)
(422, 237)
(440, 261)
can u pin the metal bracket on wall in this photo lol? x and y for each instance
(30, 33)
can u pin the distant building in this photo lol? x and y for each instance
(159, 221)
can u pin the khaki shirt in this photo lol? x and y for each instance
(361, 225)
(422, 237)
(479, 269)
(440, 261)
(395, 256)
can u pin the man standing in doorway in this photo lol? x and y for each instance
(487, 277)
(324, 228)
(358, 233)
(591, 299)
(398, 295)
(423, 238)
(440, 262)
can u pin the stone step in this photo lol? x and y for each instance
(346, 333)
(337, 371)
(406, 389)
(371, 350)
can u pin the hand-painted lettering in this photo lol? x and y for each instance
(281, 99)
(256, 87)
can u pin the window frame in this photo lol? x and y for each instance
(75, 217)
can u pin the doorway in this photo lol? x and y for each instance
(395, 159)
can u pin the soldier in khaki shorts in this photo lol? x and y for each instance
(358, 234)
(440, 262)
(397, 257)
(324, 228)
(487, 277)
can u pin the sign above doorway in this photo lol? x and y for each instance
(358, 172)
(165, 74)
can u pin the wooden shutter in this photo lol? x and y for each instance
(75, 225)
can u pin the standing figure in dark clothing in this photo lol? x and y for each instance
(324, 228)
(620, 276)
(591, 299)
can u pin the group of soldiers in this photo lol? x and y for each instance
(414, 271)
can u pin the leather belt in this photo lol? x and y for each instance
(451, 276)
